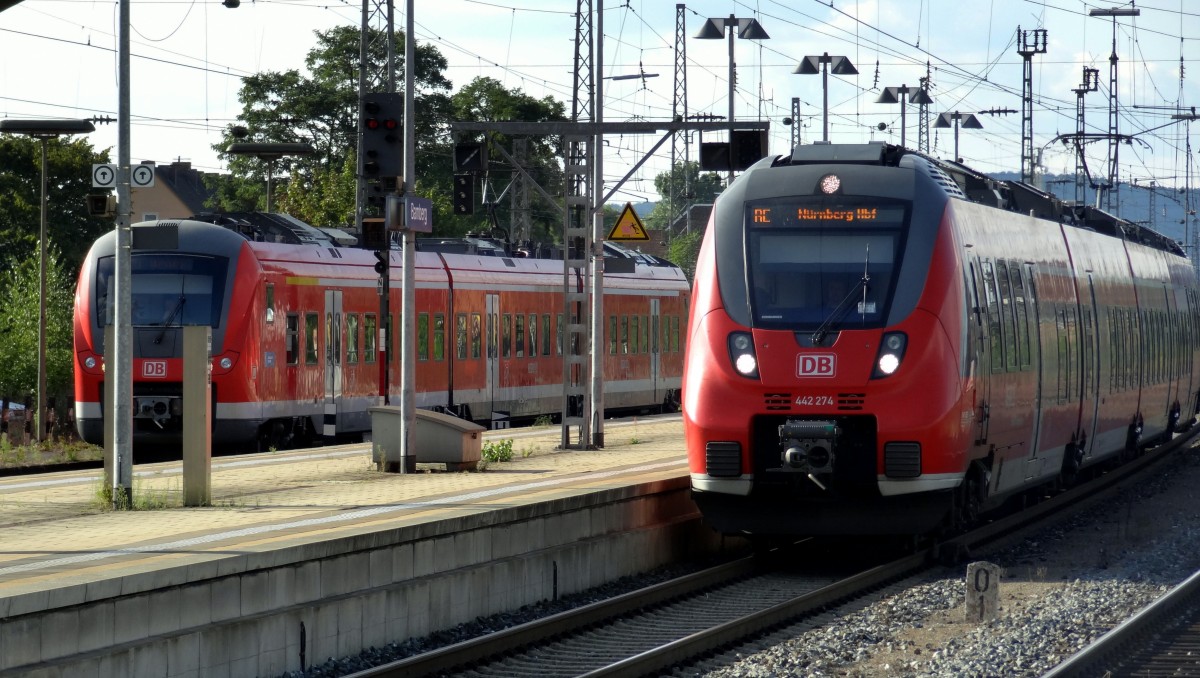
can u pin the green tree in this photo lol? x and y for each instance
(19, 307)
(322, 110)
(324, 197)
(684, 250)
(69, 179)
(688, 185)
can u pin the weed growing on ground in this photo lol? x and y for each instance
(543, 420)
(499, 450)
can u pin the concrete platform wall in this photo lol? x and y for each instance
(251, 614)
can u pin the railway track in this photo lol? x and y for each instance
(676, 622)
(1161, 640)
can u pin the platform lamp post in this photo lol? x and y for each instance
(896, 95)
(269, 152)
(811, 65)
(747, 29)
(969, 121)
(44, 131)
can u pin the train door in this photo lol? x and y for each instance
(491, 370)
(981, 351)
(333, 361)
(1029, 344)
(1090, 407)
(655, 318)
(1169, 347)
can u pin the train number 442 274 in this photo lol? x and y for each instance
(814, 401)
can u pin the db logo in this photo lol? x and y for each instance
(154, 369)
(815, 365)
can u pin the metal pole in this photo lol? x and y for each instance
(270, 172)
(731, 27)
(122, 369)
(956, 136)
(40, 406)
(903, 93)
(825, 97)
(408, 410)
(597, 334)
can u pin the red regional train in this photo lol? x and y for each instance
(297, 333)
(882, 343)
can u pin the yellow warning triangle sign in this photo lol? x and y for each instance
(628, 226)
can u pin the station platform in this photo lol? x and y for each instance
(310, 554)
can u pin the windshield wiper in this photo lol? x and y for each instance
(170, 319)
(838, 311)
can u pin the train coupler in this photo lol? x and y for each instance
(809, 446)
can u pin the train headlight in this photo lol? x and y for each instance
(89, 362)
(891, 354)
(226, 363)
(741, 354)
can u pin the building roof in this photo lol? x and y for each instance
(185, 182)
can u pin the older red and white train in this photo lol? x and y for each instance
(297, 333)
(883, 343)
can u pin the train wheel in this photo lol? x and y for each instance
(968, 501)
(1072, 462)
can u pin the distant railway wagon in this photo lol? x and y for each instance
(880, 342)
(298, 339)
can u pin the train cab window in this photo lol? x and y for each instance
(370, 338)
(476, 335)
(293, 339)
(166, 289)
(351, 338)
(533, 335)
(612, 335)
(439, 336)
(460, 336)
(546, 334)
(311, 321)
(270, 305)
(506, 336)
(519, 335)
(422, 336)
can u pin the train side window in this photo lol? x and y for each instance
(491, 335)
(674, 334)
(1007, 322)
(634, 332)
(1021, 308)
(612, 335)
(1114, 352)
(351, 338)
(439, 336)
(506, 336)
(645, 334)
(370, 338)
(546, 334)
(995, 334)
(476, 335)
(1060, 327)
(270, 302)
(519, 335)
(422, 336)
(560, 334)
(293, 339)
(624, 334)
(310, 338)
(533, 330)
(460, 336)
(1089, 340)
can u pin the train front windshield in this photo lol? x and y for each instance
(167, 289)
(814, 261)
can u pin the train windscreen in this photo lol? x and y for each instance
(167, 289)
(813, 261)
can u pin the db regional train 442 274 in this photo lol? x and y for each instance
(297, 333)
(883, 343)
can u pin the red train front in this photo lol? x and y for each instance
(881, 343)
(822, 385)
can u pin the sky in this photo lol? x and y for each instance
(58, 60)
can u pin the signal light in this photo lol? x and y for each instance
(381, 147)
(464, 194)
(381, 266)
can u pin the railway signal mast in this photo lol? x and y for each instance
(1111, 189)
(1027, 48)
